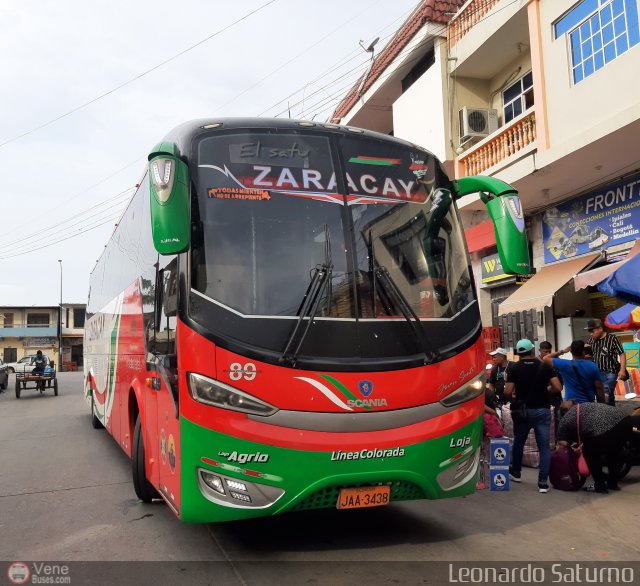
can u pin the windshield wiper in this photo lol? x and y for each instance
(320, 281)
(394, 296)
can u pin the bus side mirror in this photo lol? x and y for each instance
(169, 187)
(505, 210)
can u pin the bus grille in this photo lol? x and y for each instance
(328, 497)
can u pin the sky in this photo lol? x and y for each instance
(87, 89)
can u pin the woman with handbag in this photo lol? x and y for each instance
(602, 432)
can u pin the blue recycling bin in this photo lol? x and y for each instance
(500, 452)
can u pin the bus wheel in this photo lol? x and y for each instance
(626, 467)
(95, 422)
(17, 389)
(144, 489)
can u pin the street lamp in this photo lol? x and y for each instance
(60, 322)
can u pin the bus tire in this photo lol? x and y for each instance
(624, 470)
(95, 421)
(144, 489)
(17, 389)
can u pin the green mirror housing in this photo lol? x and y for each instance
(169, 187)
(505, 210)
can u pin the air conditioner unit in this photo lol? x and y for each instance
(477, 122)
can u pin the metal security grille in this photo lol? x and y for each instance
(328, 497)
(513, 326)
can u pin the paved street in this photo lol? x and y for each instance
(66, 494)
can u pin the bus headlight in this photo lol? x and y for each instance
(470, 390)
(162, 175)
(213, 392)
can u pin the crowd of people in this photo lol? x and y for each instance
(581, 391)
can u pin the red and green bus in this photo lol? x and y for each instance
(285, 318)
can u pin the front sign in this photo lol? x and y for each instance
(598, 219)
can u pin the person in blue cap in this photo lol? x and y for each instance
(528, 380)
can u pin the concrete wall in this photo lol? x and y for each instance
(419, 114)
(470, 92)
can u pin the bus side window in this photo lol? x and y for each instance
(166, 316)
(166, 309)
(148, 293)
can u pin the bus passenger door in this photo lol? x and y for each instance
(167, 372)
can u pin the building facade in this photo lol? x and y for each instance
(541, 94)
(25, 330)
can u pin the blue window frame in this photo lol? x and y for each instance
(599, 32)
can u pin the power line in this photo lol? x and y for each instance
(40, 234)
(279, 68)
(88, 229)
(44, 232)
(68, 229)
(343, 61)
(318, 106)
(76, 195)
(407, 50)
(137, 77)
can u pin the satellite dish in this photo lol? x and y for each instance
(371, 46)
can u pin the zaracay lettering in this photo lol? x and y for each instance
(312, 179)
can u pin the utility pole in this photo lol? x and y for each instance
(60, 322)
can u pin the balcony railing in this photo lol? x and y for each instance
(467, 18)
(30, 331)
(508, 141)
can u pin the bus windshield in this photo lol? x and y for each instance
(275, 207)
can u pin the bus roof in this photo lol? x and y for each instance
(183, 134)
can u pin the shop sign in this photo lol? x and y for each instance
(45, 342)
(601, 218)
(522, 279)
(492, 269)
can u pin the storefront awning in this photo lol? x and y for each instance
(539, 290)
(594, 276)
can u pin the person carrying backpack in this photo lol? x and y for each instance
(530, 378)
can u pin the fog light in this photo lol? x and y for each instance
(213, 481)
(231, 492)
(241, 497)
(235, 485)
